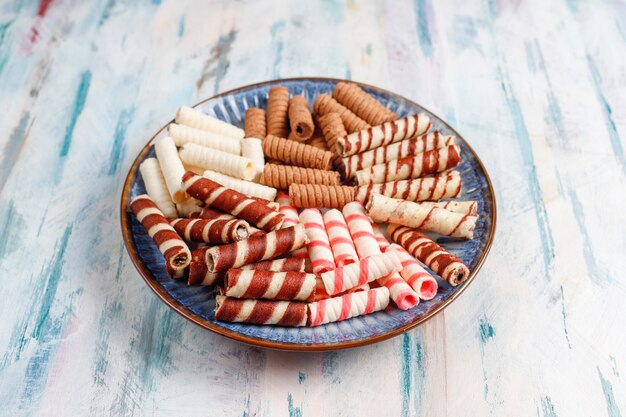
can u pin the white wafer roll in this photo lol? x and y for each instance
(171, 167)
(195, 118)
(156, 187)
(187, 207)
(226, 163)
(438, 220)
(349, 305)
(248, 188)
(182, 134)
(464, 207)
(366, 270)
(445, 185)
(252, 148)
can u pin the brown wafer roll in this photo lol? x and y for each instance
(198, 274)
(333, 128)
(362, 104)
(254, 123)
(280, 313)
(281, 176)
(295, 153)
(211, 231)
(318, 142)
(325, 104)
(300, 118)
(277, 111)
(316, 195)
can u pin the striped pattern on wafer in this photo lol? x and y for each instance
(339, 238)
(198, 274)
(280, 313)
(429, 188)
(319, 249)
(347, 306)
(424, 284)
(469, 208)
(366, 270)
(271, 285)
(211, 231)
(279, 265)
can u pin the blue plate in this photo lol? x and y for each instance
(198, 303)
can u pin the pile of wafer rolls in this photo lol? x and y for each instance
(320, 209)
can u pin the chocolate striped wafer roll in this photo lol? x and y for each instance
(397, 150)
(366, 270)
(406, 213)
(279, 313)
(317, 195)
(198, 274)
(255, 125)
(256, 248)
(339, 238)
(231, 201)
(295, 153)
(427, 163)
(270, 285)
(195, 118)
(347, 306)
(300, 118)
(389, 132)
(446, 185)
(415, 275)
(279, 265)
(170, 244)
(209, 213)
(437, 258)
(469, 207)
(325, 104)
(362, 104)
(318, 246)
(211, 231)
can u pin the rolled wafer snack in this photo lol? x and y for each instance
(320, 290)
(316, 195)
(359, 273)
(339, 238)
(424, 284)
(173, 247)
(226, 163)
(197, 119)
(270, 204)
(252, 149)
(231, 201)
(211, 231)
(255, 248)
(156, 187)
(397, 150)
(291, 219)
(445, 185)
(300, 118)
(384, 134)
(171, 167)
(182, 134)
(427, 163)
(469, 207)
(406, 213)
(254, 123)
(280, 313)
(442, 262)
(362, 104)
(209, 213)
(187, 208)
(325, 104)
(271, 285)
(198, 273)
(279, 265)
(347, 306)
(277, 111)
(318, 247)
(248, 188)
(332, 127)
(281, 176)
(295, 153)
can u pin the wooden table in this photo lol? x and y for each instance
(539, 90)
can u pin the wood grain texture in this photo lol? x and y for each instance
(538, 89)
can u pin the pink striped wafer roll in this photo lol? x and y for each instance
(291, 219)
(271, 285)
(211, 231)
(279, 265)
(339, 237)
(356, 274)
(446, 185)
(319, 247)
(347, 306)
(280, 313)
(424, 284)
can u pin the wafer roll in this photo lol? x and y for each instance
(427, 163)
(411, 214)
(248, 188)
(177, 254)
(339, 238)
(295, 153)
(424, 284)
(280, 313)
(359, 273)
(196, 119)
(463, 207)
(156, 187)
(360, 228)
(171, 167)
(300, 118)
(333, 128)
(318, 247)
(231, 201)
(291, 219)
(437, 258)
(211, 231)
(209, 213)
(281, 176)
(389, 132)
(182, 134)
(256, 248)
(252, 149)
(277, 112)
(320, 290)
(254, 123)
(225, 163)
(316, 195)
(198, 273)
(446, 185)
(279, 265)
(362, 104)
(400, 291)
(347, 306)
(297, 286)
(325, 104)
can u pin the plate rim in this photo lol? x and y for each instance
(189, 315)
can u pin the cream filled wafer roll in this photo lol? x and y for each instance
(291, 219)
(438, 220)
(279, 313)
(384, 134)
(424, 284)
(182, 134)
(361, 230)
(211, 231)
(442, 262)
(347, 306)
(196, 119)
(226, 163)
(170, 244)
(279, 265)
(318, 247)
(463, 207)
(397, 150)
(256, 248)
(427, 163)
(198, 273)
(156, 187)
(249, 283)
(231, 201)
(171, 167)
(252, 149)
(359, 273)
(339, 238)
(248, 188)
(446, 185)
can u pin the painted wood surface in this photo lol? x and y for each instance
(539, 90)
